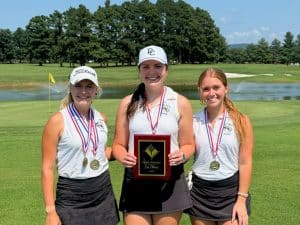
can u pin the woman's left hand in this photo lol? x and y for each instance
(240, 213)
(176, 158)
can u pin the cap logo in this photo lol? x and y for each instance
(83, 71)
(151, 51)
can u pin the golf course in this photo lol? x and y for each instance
(275, 186)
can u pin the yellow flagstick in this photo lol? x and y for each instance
(51, 80)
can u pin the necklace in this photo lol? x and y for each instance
(87, 132)
(214, 165)
(161, 103)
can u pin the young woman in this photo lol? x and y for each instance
(154, 109)
(74, 141)
(223, 159)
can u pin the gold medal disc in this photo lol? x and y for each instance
(84, 162)
(214, 165)
(95, 164)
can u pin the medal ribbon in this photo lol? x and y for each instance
(161, 103)
(95, 139)
(220, 133)
(89, 127)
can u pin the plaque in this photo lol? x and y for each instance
(152, 157)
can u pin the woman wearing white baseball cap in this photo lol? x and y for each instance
(155, 112)
(74, 141)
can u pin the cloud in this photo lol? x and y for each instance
(264, 28)
(253, 36)
(244, 37)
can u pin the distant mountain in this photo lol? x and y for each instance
(242, 45)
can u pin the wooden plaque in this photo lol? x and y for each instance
(152, 156)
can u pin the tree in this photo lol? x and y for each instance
(107, 31)
(236, 55)
(297, 49)
(263, 54)
(6, 46)
(288, 45)
(208, 45)
(57, 37)
(39, 42)
(190, 34)
(20, 38)
(175, 18)
(275, 50)
(251, 53)
(78, 34)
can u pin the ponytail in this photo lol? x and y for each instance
(237, 118)
(138, 94)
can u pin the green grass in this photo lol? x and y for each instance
(275, 185)
(22, 75)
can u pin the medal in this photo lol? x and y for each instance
(214, 165)
(84, 162)
(95, 164)
(87, 132)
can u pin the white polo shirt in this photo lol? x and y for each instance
(228, 150)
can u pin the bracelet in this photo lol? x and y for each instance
(242, 194)
(50, 208)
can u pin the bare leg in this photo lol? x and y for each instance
(167, 219)
(235, 222)
(135, 218)
(196, 221)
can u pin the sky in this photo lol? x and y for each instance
(239, 21)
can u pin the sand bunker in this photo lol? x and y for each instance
(238, 75)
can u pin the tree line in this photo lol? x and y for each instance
(277, 52)
(114, 34)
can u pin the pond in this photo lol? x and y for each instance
(238, 91)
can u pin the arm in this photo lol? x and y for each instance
(50, 138)
(245, 172)
(120, 143)
(108, 154)
(185, 135)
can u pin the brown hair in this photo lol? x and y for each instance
(135, 98)
(235, 114)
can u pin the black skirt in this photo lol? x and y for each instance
(214, 200)
(86, 202)
(155, 196)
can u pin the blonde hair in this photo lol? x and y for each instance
(234, 113)
(69, 99)
(66, 100)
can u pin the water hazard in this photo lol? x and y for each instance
(239, 91)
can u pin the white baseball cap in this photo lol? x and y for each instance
(83, 73)
(153, 52)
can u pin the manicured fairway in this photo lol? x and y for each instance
(275, 187)
(25, 75)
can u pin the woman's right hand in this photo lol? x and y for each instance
(129, 160)
(52, 218)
